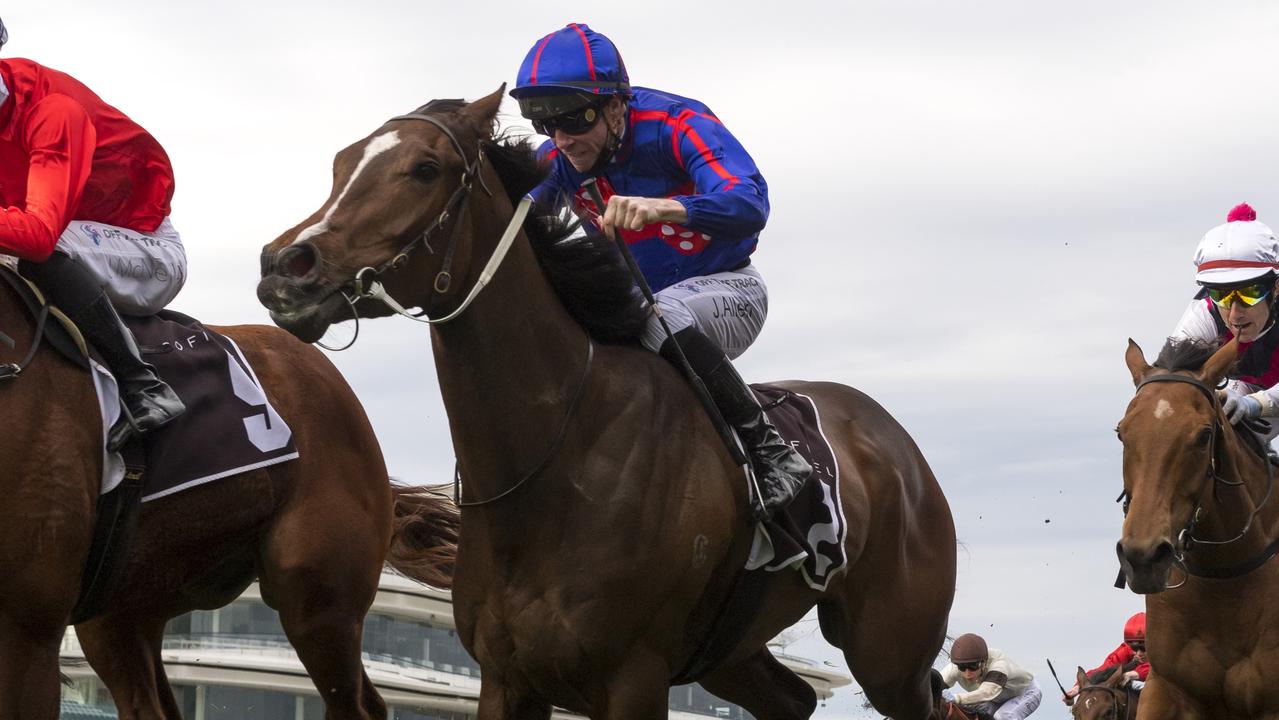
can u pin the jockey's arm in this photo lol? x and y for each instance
(60, 139)
(730, 197)
(991, 686)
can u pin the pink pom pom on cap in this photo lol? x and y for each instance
(1242, 211)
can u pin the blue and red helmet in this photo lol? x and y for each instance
(567, 70)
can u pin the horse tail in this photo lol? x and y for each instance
(425, 533)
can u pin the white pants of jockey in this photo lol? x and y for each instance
(140, 272)
(728, 307)
(1014, 708)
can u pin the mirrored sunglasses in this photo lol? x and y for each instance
(967, 667)
(1249, 294)
(577, 122)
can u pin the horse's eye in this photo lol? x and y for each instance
(425, 172)
(1204, 437)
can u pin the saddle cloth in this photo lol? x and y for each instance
(229, 427)
(809, 533)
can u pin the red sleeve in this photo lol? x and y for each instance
(1121, 655)
(60, 138)
(1143, 670)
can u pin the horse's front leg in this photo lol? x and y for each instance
(639, 690)
(500, 701)
(1160, 700)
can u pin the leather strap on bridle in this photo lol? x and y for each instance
(366, 285)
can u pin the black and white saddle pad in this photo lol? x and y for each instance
(809, 533)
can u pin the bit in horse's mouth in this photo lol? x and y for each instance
(306, 315)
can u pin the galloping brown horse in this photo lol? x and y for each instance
(603, 519)
(1201, 528)
(314, 531)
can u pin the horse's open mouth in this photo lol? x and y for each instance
(305, 315)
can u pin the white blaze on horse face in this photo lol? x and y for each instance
(376, 146)
(1163, 409)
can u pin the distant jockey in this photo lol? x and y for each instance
(1237, 267)
(991, 684)
(85, 193)
(689, 202)
(1129, 658)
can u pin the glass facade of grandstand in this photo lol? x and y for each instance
(235, 663)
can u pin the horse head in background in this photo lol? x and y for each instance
(1105, 696)
(604, 523)
(1199, 500)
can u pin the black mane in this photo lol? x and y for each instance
(586, 269)
(1185, 354)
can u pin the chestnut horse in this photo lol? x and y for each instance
(314, 531)
(1105, 698)
(603, 520)
(1200, 531)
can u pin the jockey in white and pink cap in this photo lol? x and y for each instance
(1237, 267)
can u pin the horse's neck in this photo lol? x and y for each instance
(509, 365)
(1229, 507)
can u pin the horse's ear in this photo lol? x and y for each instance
(483, 112)
(1116, 678)
(1215, 369)
(1136, 360)
(1081, 677)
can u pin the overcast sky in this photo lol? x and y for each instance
(974, 205)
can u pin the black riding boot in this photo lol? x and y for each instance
(148, 401)
(779, 468)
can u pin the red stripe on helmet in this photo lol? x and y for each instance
(1216, 264)
(586, 46)
(537, 58)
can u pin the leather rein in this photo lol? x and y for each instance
(1186, 539)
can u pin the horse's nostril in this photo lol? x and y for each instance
(297, 262)
(1163, 553)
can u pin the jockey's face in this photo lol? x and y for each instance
(1246, 321)
(583, 150)
(970, 671)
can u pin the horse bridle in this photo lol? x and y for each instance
(1186, 539)
(365, 284)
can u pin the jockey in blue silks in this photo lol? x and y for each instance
(688, 201)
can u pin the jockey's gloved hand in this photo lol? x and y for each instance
(1239, 407)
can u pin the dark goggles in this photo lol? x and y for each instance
(578, 122)
(968, 667)
(1252, 294)
(1137, 646)
(574, 113)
